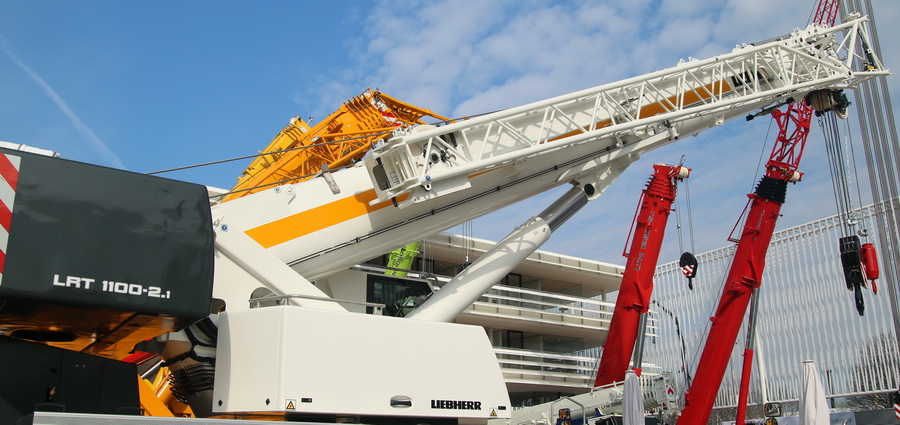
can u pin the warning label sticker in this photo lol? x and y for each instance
(290, 404)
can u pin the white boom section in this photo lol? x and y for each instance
(658, 392)
(448, 175)
(637, 114)
(475, 280)
(466, 287)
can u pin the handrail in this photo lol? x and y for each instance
(651, 324)
(547, 303)
(501, 287)
(283, 298)
(501, 353)
(542, 354)
(573, 401)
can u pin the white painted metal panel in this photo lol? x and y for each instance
(354, 364)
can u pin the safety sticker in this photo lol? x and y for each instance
(9, 179)
(290, 404)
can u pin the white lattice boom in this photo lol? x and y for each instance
(627, 117)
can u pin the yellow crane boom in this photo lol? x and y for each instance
(337, 141)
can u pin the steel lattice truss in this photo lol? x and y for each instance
(632, 115)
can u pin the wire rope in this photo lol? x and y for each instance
(266, 153)
(687, 196)
(848, 143)
(839, 169)
(678, 224)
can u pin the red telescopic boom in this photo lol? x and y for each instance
(749, 260)
(637, 281)
(750, 257)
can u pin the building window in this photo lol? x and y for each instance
(400, 296)
(515, 339)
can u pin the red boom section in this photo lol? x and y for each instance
(637, 281)
(826, 12)
(744, 276)
(749, 258)
(749, 261)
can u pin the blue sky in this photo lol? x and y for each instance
(147, 86)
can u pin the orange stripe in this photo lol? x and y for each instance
(306, 222)
(652, 109)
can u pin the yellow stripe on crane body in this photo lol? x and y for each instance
(315, 219)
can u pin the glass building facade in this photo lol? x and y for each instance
(805, 313)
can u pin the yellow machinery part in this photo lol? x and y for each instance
(150, 403)
(337, 141)
(157, 398)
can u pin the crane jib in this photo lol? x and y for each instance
(689, 98)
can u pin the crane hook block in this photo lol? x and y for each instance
(850, 261)
(688, 264)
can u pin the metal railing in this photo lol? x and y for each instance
(576, 369)
(283, 300)
(513, 301)
(531, 304)
(526, 366)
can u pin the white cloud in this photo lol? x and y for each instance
(748, 21)
(97, 145)
(450, 55)
(422, 50)
(678, 33)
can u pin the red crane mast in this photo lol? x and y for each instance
(749, 260)
(649, 227)
(750, 257)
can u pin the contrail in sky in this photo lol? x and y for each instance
(97, 144)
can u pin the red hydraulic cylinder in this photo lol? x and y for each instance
(637, 281)
(744, 276)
